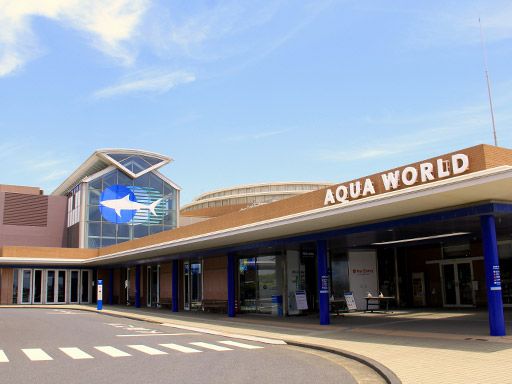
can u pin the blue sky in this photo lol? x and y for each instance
(238, 92)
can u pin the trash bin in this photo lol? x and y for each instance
(277, 305)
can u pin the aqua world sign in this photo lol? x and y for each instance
(120, 204)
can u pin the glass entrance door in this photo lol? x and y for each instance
(61, 286)
(465, 284)
(153, 285)
(85, 287)
(26, 286)
(193, 285)
(56, 285)
(37, 297)
(74, 280)
(457, 284)
(260, 283)
(50, 286)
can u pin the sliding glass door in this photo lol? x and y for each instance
(26, 286)
(37, 297)
(74, 279)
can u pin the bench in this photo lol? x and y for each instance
(376, 302)
(337, 306)
(165, 302)
(220, 306)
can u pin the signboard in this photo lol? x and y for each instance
(324, 288)
(399, 178)
(351, 302)
(124, 204)
(301, 300)
(496, 278)
(100, 295)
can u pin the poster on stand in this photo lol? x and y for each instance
(351, 302)
(300, 298)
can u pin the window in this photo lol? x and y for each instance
(147, 189)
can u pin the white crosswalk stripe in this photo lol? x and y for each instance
(240, 345)
(36, 354)
(3, 357)
(111, 351)
(76, 353)
(180, 348)
(211, 346)
(148, 350)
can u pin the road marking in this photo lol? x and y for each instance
(224, 334)
(148, 350)
(36, 354)
(3, 357)
(111, 351)
(66, 312)
(76, 353)
(211, 346)
(160, 334)
(180, 348)
(240, 345)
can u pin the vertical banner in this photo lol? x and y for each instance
(100, 295)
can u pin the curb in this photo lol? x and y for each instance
(389, 376)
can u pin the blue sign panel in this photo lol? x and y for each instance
(496, 278)
(118, 204)
(325, 284)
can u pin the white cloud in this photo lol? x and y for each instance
(111, 25)
(212, 22)
(154, 81)
(229, 30)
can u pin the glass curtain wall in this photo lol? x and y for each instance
(147, 189)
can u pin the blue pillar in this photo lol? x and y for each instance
(175, 286)
(323, 281)
(111, 287)
(231, 284)
(137, 286)
(492, 276)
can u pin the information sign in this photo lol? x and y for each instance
(324, 288)
(496, 278)
(100, 295)
(301, 300)
(351, 302)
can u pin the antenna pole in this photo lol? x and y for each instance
(488, 83)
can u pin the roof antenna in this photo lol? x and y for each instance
(488, 83)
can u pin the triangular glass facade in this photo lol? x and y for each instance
(136, 164)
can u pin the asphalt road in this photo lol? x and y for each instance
(49, 346)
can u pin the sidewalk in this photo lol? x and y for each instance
(419, 347)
